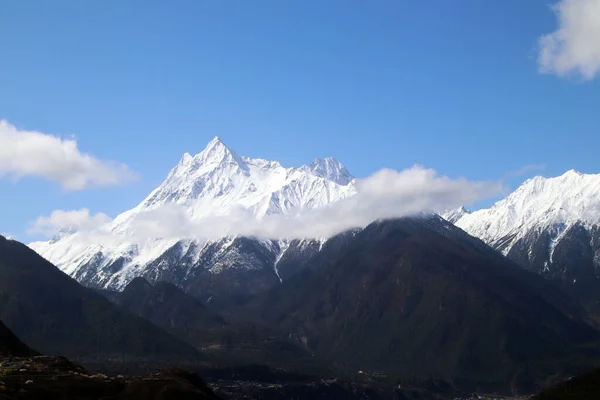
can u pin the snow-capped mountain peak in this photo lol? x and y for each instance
(570, 198)
(330, 168)
(215, 182)
(541, 216)
(455, 214)
(215, 153)
(186, 159)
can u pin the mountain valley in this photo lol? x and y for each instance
(457, 299)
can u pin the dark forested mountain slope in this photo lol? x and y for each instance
(419, 296)
(55, 315)
(11, 345)
(169, 307)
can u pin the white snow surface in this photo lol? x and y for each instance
(454, 214)
(215, 182)
(539, 204)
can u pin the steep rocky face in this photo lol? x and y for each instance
(550, 226)
(214, 183)
(234, 270)
(295, 255)
(572, 258)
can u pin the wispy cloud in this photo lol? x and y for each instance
(385, 194)
(573, 49)
(29, 153)
(527, 169)
(74, 220)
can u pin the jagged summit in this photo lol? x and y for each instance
(330, 168)
(574, 172)
(218, 180)
(186, 159)
(455, 214)
(216, 144)
(215, 182)
(216, 140)
(548, 225)
(217, 153)
(566, 199)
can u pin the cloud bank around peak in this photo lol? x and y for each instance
(573, 49)
(74, 220)
(30, 153)
(385, 194)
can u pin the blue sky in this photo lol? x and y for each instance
(455, 86)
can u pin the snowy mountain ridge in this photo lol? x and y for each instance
(217, 181)
(455, 214)
(214, 182)
(542, 217)
(543, 225)
(538, 203)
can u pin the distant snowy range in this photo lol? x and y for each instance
(224, 226)
(550, 226)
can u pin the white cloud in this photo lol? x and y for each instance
(29, 153)
(61, 220)
(574, 48)
(385, 194)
